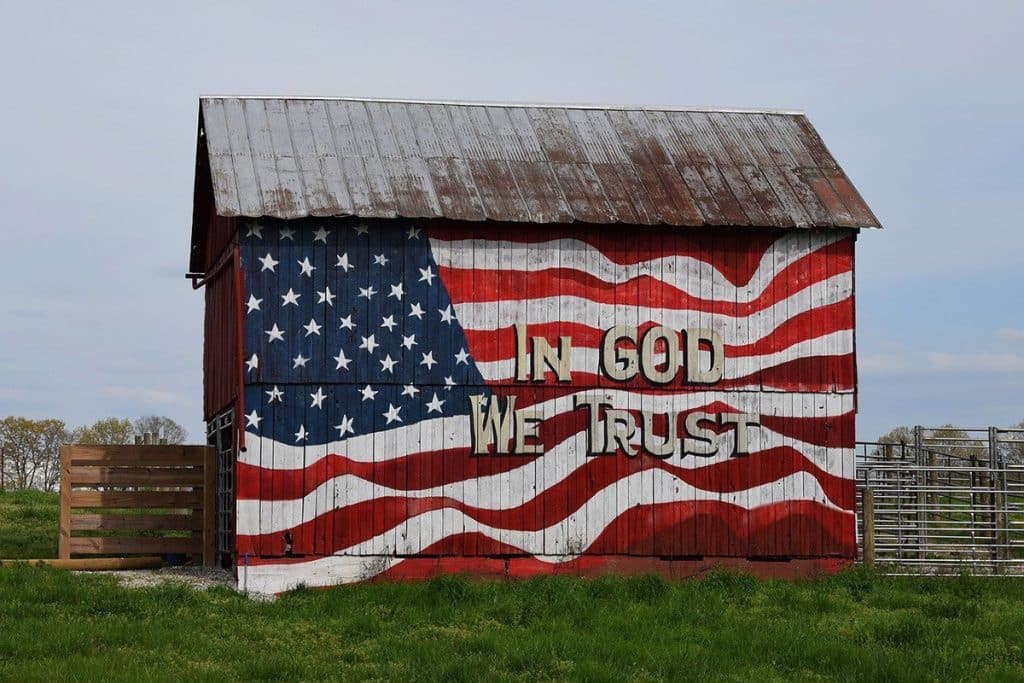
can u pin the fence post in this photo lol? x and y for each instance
(64, 540)
(920, 481)
(869, 528)
(210, 507)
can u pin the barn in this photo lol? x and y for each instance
(524, 339)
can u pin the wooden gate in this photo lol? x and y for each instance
(138, 500)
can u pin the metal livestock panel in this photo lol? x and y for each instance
(425, 396)
(298, 157)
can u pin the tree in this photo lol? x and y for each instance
(896, 435)
(110, 430)
(161, 426)
(32, 451)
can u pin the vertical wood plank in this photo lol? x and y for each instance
(64, 543)
(210, 507)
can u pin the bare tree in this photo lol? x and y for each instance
(161, 426)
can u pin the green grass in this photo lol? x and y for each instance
(58, 625)
(29, 521)
(854, 626)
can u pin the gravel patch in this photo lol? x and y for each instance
(199, 578)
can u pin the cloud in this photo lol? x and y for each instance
(1010, 334)
(933, 362)
(142, 395)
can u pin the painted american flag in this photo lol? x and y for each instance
(363, 343)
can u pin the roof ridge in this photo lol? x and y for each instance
(526, 105)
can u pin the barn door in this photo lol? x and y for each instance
(220, 433)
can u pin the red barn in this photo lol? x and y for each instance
(514, 340)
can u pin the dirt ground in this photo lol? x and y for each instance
(199, 578)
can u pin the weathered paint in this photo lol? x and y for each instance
(299, 157)
(421, 495)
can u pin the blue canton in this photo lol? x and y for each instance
(348, 330)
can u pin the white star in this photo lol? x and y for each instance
(483, 399)
(345, 427)
(397, 291)
(428, 360)
(368, 292)
(253, 303)
(387, 364)
(361, 229)
(368, 393)
(446, 314)
(346, 323)
(301, 434)
(388, 322)
(449, 383)
(306, 266)
(343, 262)
(413, 233)
(268, 263)
(427, 274)
(300, 361)
(380, 259)
(312, 328)
(409, 390)
(287, 234)
(434, 406)
(290, 298)
(326, 297)
(254, 229)
(321, 235)
(253, 419)
(409, 342)
(368, 343)
(392, 414)
(273, 334)
(415, 311)
(342, 360)
(318, 398)
(275, 394)
(462, 357)
(252, 363)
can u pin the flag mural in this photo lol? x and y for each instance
(453, 393)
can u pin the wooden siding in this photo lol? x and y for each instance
(221, 362)
(780, 301)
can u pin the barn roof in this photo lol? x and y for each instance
(295, 157)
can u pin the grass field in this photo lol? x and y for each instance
(29, 521)
(856, 625)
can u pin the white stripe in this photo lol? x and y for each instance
(735, 330)
(270, 516)
(456, 432)
(679, 271)
(588, 360)
(579, 530)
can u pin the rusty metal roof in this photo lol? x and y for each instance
(294, 157)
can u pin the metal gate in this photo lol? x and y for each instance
(951, 500)
(220, 433)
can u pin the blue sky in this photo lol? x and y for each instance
(920, 102)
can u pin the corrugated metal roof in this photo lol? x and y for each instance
(295, 157)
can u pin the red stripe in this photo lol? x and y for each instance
(697, 528)
(353, 524)
(814, 374)
(413, 474)
(483, 285)
(487, 345)
(645, 244)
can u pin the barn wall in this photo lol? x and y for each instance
(407, 480)
(220, 326)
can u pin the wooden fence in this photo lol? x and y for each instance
(138, 500)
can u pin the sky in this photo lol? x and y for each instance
(920, 103)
